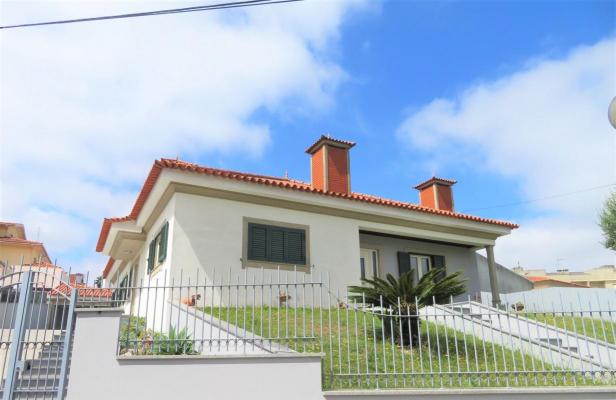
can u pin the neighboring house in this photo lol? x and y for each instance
(46, 275)
(16, 249)
(600, 277)
(86, 294)
(196, 219)
(544, 282)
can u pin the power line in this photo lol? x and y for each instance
(543, 198)
(219, 6)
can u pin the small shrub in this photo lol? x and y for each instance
(176, 342)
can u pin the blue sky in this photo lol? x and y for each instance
(416, 84)
(413, 52)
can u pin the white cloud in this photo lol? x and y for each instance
(544, 127)
(86, 108)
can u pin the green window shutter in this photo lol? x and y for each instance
(404, 263)
(257, 242)
(151, 255)
(362, 268)
(162, 244)
(295, 246)
(438, 262)
(277, 245)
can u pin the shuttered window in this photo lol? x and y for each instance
(151, 255)
(276, 244)
(162, 243)
(438, 262)
(157, 252)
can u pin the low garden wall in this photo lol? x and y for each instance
(98, 373)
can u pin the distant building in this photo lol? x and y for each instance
(600, 277)
(16, 249)
(544, 282)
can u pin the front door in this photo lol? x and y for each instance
(368, 263)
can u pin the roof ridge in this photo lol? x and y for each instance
(198, 166)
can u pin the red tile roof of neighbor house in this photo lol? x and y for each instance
(547, 278)
(82, 289)
(17, 240)
(285, 183)
(42, 264)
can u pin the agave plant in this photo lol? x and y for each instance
(399, 299)
(176, 342)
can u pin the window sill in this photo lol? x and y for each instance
(275, 266)
(156, 270)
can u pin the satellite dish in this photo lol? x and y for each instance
(611, 112)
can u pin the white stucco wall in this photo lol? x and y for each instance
(208, 235)
(97, 373)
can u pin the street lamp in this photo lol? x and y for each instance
(611, 112)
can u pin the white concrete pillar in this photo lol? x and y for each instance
(493, 276)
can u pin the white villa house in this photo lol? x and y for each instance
(198, 219)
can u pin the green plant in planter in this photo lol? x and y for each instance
(176, 342)
(132, 332)
(400, 299)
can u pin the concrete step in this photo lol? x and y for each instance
(49, 383)
(44, 369)
(42, 394)
(51, 354)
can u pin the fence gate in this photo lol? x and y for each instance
(36, 329)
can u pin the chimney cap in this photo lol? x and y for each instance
(327, 139)
(435, 180)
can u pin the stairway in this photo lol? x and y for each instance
(40, 377)
(559, 347)
(544, 335)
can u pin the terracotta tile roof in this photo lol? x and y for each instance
(547, 278)
(83, 290)
(328, 139)
(108, 266)
(18, 241)
(433, 180)
(42, 264)
(276, 182)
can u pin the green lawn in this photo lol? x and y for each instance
(597, 327)
(358, 355)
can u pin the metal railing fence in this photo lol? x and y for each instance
(36, 322)
(414, 343)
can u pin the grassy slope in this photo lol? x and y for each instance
(357, 355)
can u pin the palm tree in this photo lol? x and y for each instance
(400, 299)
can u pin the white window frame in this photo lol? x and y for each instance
(418, 271)
(374, 253)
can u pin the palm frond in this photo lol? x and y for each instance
(387, 292)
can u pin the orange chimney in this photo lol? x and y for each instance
(330, 166)
(436, 193)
